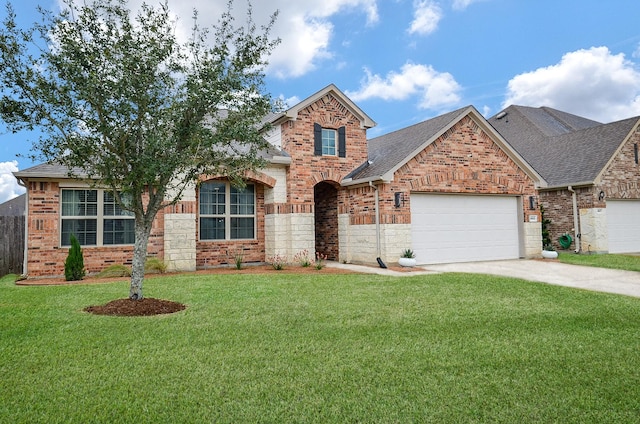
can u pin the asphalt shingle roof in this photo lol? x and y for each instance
(13, 207)
(563, 148)
(389, 150)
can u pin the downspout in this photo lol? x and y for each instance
(377, 208)
(26, 226)
(576, 223)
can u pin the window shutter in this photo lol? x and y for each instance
(342, 142)
(317, 139)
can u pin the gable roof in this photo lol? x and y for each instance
(564, 149)
(14, 207)
(389, 152)
(292, 113)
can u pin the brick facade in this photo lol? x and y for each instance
(46, 257)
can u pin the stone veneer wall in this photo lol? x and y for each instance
(532, 233)
(593, 226)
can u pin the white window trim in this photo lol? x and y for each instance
(99, 217)
(335, 142)
(227, 215)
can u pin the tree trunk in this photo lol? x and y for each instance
(139, 258)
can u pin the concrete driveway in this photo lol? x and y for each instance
(553, 272)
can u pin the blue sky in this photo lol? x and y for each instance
(404, 61)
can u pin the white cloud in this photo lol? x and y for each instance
(426, 16)
(304, 27)
(289, 101)
(435, 89)
(462, 4)
(593, 83)
(9, 187)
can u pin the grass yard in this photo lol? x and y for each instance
(614, 261)
(448, 348)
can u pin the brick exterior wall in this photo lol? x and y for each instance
(212, 253)
(620, 180)
(303, 206)
(45, 256)
(463, 160)
(308, 172)
(558, 208)
(326, 221)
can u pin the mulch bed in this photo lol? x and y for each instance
(136, 308)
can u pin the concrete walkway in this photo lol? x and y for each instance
(551, 272)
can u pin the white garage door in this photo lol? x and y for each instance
(463, 228)
(623, 222)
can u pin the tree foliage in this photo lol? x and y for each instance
(123, 103)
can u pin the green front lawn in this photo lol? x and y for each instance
(614, 261)
(280, 348)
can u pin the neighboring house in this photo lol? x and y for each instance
(591, 172)
(449, 188)
(13, 207)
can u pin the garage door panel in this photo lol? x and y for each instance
(458, 228)
(623, 226)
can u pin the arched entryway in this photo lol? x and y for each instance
(326, 219)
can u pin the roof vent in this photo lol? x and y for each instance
(501, 115)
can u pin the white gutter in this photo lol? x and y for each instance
(280, 160)
(377, 208)
(26, 225)
(577, 234)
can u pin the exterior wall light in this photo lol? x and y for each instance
(398, 199)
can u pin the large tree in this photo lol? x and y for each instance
(121, 102)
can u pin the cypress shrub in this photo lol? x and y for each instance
(74, 265)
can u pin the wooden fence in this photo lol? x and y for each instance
(11, 244)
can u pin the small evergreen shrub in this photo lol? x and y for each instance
(74, 265)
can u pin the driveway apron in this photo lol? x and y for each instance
(553, 272)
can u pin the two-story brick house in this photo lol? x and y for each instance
(450, 188)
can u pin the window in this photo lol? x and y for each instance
(118, 223)
(94, 218)
(328, 142)
(227, 212)
(79, 217)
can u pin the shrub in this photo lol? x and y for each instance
(74, 265)
(154, 264)
(115, 271)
